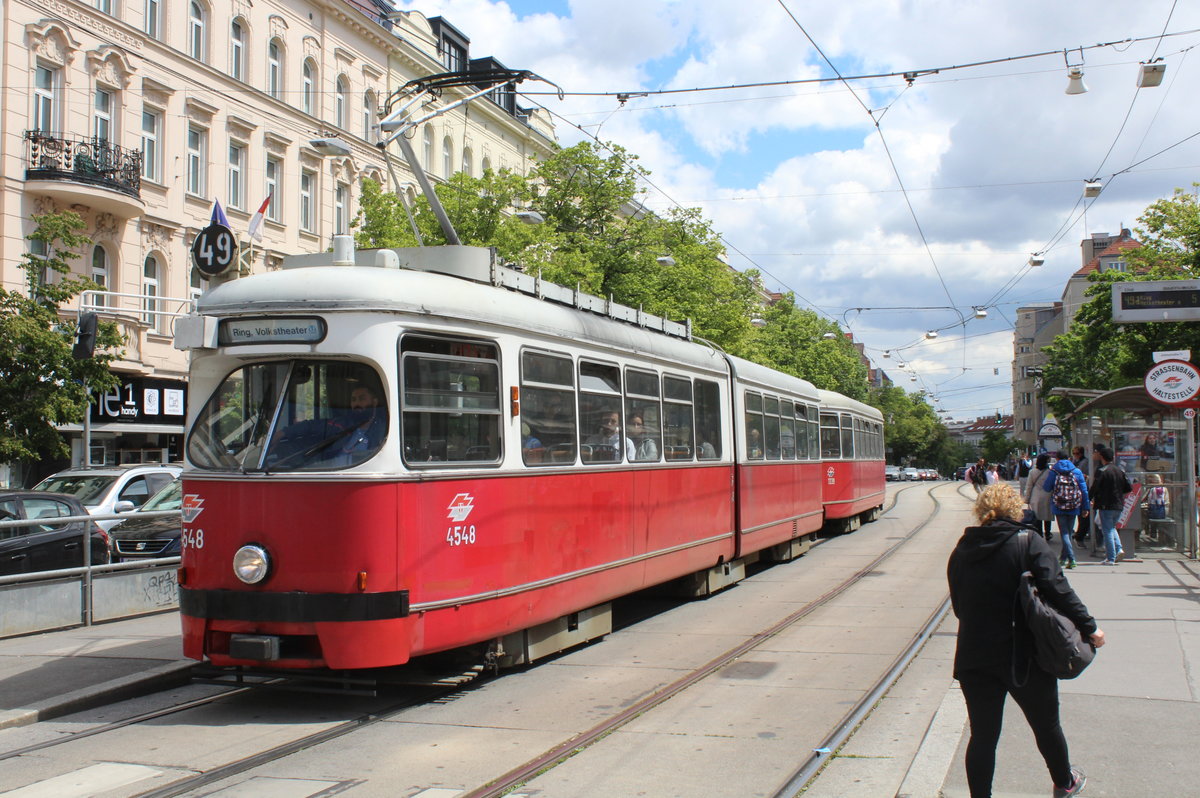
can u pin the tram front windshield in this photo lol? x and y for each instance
(295, 415)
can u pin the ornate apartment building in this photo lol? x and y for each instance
(138, 114)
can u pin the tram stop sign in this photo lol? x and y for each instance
(214, 250)
(1173, 382)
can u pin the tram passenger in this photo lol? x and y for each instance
(531, 447)
(983, 573)
(645, 446)
(608, 435)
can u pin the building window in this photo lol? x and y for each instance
(341, 202)
(152, 18)
(428, 149)
(307, 86)
(447, 157)
(237, 176)
(151, 122)
(487, 164)
(105, 6)
(1027, 424)
(273, 173)
(45, 95)
(102, 115)
(340, 102)
(466, 161)
(196, 159)
(100, 272)
(275, 69)
(197, 285)
(237, 51)
(196, 26)
(308, 181)
(1026, 398)
(454, 56)
(368, 114)
(150, 283)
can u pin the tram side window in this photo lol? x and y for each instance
(787, 431)
(643, 415)
(831, 446)
(451, 401)
(708, 419)
(600, 415)
(801, 421)
(814, 434)
(754, 426)
(847, 437)
(548, 431)
(679, 432)
(771, 426)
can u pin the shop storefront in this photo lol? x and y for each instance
(140, 421)
(1155, 445)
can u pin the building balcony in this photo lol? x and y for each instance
(85, 171)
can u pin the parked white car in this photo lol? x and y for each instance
(105, 490)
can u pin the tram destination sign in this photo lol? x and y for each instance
(1156, 300)
(276, 330)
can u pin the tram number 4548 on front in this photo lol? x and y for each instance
(460, 535)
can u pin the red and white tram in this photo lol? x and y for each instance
(384, 462)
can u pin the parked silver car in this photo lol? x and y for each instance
(106, 490)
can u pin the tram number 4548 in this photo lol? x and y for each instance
(460, 535)
(191, 539)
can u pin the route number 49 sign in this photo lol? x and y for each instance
(214, 250)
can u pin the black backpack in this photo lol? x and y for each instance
(1059, 648)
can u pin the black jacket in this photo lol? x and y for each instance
(1109, 487)
(983, 573)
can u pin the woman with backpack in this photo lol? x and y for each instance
(1068, 501)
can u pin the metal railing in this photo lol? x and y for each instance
(42, 600)
(55, 156)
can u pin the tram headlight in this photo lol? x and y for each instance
(251, 564)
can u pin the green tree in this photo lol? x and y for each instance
(912, 431)
(1098, 354)
(996, 446)
(41, 384)
(793, 340)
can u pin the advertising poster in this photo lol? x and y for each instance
(1151, 451)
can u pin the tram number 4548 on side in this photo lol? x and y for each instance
(460, 535)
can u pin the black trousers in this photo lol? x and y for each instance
(1038, 699)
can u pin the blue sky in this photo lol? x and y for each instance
(991, 159)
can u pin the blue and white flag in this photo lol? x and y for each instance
(218, 215)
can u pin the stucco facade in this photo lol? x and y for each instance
(137, 114)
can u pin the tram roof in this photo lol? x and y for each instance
(835, 401)
(342, 289)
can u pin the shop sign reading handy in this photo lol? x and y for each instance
(1173, 382)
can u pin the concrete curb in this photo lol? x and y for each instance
(935, 756)
(160, 677)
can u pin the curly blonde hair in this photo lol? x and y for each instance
(999, 501)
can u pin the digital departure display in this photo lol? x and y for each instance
(1157, 300)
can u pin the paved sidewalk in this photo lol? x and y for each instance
(47, 675)
(1133, 717)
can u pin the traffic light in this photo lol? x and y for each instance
(85, 337)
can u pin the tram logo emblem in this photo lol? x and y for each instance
(461, 507)
(192, 506)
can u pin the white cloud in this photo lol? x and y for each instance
(993, 157)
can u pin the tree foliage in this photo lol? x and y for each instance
(41, 384)
(1098, 354)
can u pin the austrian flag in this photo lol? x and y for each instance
(256, 220)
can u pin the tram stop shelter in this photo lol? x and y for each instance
(1155, 444)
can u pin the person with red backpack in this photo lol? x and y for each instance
(1068, 501)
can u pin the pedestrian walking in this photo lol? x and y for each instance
(1068, 502)
(1109, 488)
(993, 474)
(977, 475)
(1037, 498)
(983, 573)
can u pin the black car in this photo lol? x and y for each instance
(141, 538)
(46, 546)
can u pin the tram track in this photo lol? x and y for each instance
(808, 770)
